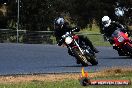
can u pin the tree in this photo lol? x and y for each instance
(40, 14)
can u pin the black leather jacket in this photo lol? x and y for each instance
(108, 31)
(61, 30)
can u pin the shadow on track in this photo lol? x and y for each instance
(122, 57)
(77, 66)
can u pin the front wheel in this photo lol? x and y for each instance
(80, 57)
(91, 57)
(128, 48)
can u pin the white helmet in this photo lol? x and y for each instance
(106, 21)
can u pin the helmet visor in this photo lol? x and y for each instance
(105, 22)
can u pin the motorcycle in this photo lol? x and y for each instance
(80, 50)
(122, 43)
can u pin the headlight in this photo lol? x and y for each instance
(68, 40)
(120, 39)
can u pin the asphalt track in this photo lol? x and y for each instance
(40, 58)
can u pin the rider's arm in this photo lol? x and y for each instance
(123, 28)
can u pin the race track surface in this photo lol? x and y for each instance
(39, 58)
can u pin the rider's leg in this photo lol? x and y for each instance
(70, 52)
(89, 43)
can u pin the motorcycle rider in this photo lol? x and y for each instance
(61, 27)
(109, 27)
(120, 12)
(123, 13)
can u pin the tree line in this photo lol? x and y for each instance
(39, 15)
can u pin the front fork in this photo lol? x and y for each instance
(76, 43)
(79, 47)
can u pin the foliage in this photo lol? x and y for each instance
(40, 14)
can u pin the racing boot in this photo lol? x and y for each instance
(78, 62)
(95, 50)
(121, 53)
(70, 52)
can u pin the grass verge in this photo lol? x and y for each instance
(64, 80)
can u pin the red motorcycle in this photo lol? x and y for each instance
(122, 43)
(80, 50)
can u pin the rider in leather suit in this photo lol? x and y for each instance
(61, 27)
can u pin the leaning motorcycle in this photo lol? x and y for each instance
(122, 43)
(80, 51)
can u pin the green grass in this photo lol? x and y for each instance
(98, 40)
(69, 83)
(95, 36)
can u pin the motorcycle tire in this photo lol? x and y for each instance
(128, 47)
(83, 60)
(92, 59)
